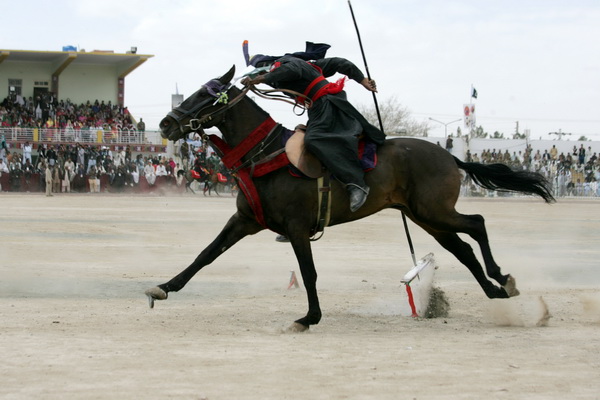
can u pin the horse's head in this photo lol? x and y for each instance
(196, 112)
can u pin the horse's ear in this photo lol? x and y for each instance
(228, 77)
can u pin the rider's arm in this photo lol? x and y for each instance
(333, 65)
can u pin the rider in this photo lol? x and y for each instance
(334, 125)
(199, 168)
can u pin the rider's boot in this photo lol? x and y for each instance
(358, 195)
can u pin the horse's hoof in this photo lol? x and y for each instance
(296, 328)
(511, 287)
(150, 301)
(155, 293)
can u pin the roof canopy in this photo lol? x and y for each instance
(124, 62)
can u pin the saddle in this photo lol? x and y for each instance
(306, 164)
(299, 157)
(221, 178)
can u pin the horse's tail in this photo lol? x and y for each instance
(500, 177)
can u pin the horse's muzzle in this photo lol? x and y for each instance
(169, 129)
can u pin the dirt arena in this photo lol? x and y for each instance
(76, 324)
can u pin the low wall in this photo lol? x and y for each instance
(36, 183)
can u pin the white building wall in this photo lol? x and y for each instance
(28, 72)
(476, 146)
(78, 82)
(81, 83)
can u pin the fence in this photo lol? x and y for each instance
(90, 136)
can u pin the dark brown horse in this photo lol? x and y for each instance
(413, 176)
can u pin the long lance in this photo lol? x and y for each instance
(362, 51)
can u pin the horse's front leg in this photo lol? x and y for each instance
(236, 228)
(301, 244)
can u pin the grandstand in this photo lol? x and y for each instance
(70, 96)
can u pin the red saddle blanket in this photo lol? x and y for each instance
(222, 178)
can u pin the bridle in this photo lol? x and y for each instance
(219, 95)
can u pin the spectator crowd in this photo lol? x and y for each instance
(72, 122)
(91, 168)
(573, 174)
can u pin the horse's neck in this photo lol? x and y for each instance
(241, 120)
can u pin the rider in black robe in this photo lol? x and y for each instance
(334, 125)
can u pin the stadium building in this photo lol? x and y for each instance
(76, 76)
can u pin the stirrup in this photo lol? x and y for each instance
(350, 186)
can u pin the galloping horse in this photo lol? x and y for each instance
(414, 176)
(210, 181)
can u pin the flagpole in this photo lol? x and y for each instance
(472, 95)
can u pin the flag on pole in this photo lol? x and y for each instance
(473, 92)
(469, 116)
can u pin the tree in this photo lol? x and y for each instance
(478, 133)
(396, 118)
(582, 139)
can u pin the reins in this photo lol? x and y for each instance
(269, 95)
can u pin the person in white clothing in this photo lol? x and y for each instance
(135, 173)
(161, 170)
(65, 175)
(27, 152)
(149, 173)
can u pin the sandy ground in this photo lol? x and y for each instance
(76, 325)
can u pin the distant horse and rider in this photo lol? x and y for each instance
(413, 176)
(209, 180)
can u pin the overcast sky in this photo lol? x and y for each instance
(532, 61)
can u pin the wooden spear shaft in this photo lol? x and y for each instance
(362, 51)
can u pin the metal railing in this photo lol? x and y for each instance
(69, 135)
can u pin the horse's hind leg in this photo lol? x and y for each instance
(476, 229)
(479, 233)
(464, 253)
(188, 186)
(236, 228)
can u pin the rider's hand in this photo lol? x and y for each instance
(370, 85)
(247, 81)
